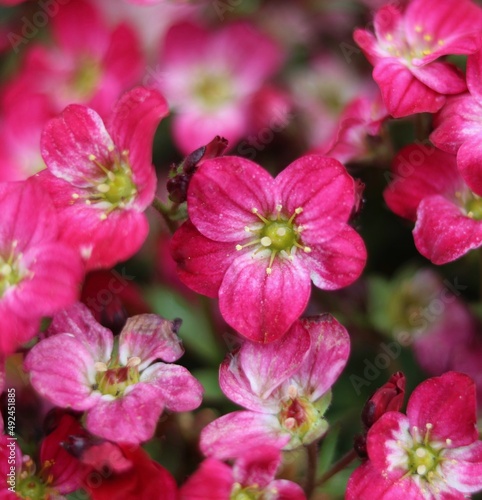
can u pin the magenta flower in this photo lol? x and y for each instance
(123, 391)
(285, 387)
(102, 179)
(209, 78)
(428, 188)
(256, 242)
(252, 476)
(39, 275)
(432, 453)
(406, 45)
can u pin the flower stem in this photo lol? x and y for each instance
(165, 213)
(312, 459)
(337, 467)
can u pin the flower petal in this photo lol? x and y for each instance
(222, 194)
(258, 466)
(259, 306)
(462, 468)
(448, 404)
(469, 158)
(213, 479)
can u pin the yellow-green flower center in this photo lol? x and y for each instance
(115, 188)
(213, 90)
(113, 379)
(249, 493)
(278, 234)
(86, 77)
(10, 270)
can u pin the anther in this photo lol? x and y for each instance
(92, 157)
(133, 361)
(421, 452)
(266, 241)
(103, 188)
(421, 470)
(100, 366)
(292, 392)
(75, 196)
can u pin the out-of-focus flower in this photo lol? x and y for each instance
(102, 179)
(427, 187)
(118, 384)
(406, 45)
(39, 275)
(284, 385)
(209, 78)
(257, 242)
(252, 476)
(431, 453)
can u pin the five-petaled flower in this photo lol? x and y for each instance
(255, 242)
(432, 453)
(80, 366)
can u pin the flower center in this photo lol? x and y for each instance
(86, 77)
(425, 456)
(213, 90)
(10, 270)
(114, 379)
(249, 493)
(278, 235)
(32, 486)
(114, 188)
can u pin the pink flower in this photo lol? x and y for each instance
(119, 386)
(39, 275)
(101, 178)
(256, 242)
(428, 188)
(252, 476)
(285, 387)
(432, 453)
(406, 45)
(209, 78)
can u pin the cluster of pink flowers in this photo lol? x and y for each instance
(100, 298)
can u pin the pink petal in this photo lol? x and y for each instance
(458, 121)
(442, 77)
(330, 348)
(235, 434)
(15, 330)
(133, 123)
(368, 483)
(213, 479)
(175, 387)
(419, 172)
(259, 306)
(369, 44)
(474, 76)
(149, 337)
(462, 468)
(62, 370)
(258, 466)
(448, 403)
(402, 93)
(28, 216)
(443, 233)
(389, 21)
(249, 376)
(337, 261)
(469, 158)
(222, 194)
(69, 139)
(287, 490)
(321, 186)
(184, 43)
(202, 263)
(130, 419)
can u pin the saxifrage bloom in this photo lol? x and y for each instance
(432, 453)
(256, 242)
(117, 383)
(101, 177)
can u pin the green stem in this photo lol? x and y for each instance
(312, 462)
(337, 467)
(165, 213)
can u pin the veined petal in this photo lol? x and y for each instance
(202, 263)
(287, 490)
(176, 388)
(259, 306)
(403, 94)
(337, 261)
(462, 468)
(149, 337)
(448, 404)
(443, 233)
(469, 158)
(258, 466)
(130, 419)
(69, 140)
(442, 77)
(213, 479)
(330, 348)
(15, 330)
(222, 194)
(62, 370)
(237, 433)
(321, 186)
(474, 76)
(249, 376)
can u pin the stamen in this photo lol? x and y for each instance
(133, 361)
(103, 188)
(110, 148)
(292, 392)
(75, 196)
(254, 242)
(427, 37)
(266, 241)
(103, 216)
(421, 452)
(281, 231)
(100, 366)
(269, 269)
(255, 212)
(290, 423)
(421, 470)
